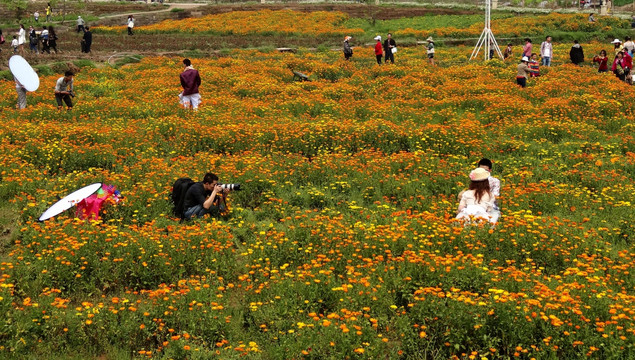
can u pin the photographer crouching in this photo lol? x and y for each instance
(206, 197)
(64, 90)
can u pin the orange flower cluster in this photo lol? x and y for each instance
(527, 26)
(255, 22)
(342, 240)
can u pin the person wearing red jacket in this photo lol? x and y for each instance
(190, 81)
(379, 50)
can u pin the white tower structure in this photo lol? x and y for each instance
(487, 40)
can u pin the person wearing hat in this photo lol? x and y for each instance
(379, 50)
(576, 53)
(477, 201)
(430, 50)
(80, 24)
(348, 51)
(617, 46)
(523, 72)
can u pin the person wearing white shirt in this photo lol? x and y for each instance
(21, 38)
(546, 51)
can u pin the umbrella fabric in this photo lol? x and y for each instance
(90, 207)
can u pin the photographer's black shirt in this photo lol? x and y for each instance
(195, 195)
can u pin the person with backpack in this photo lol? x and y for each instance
(205, 197)
(33, 40)
(52, 39)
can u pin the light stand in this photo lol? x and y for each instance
(487, 40)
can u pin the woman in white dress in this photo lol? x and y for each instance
(21, 38)
(477, 201)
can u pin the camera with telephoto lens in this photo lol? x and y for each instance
(71, 93)
(230, 187)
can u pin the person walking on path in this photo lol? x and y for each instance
(546, 51)
(64, 90)
(190, 81)
(130, 24)
(33, 40)
(49, 12)
(390, 48)
(87, 40)
(80, 24)
(348, 51)
(21, 38)
(576, 53)
(602, 61)
(523, 72)
(527, 48)
(430, 50)
(44, 35)
(52, 39)
(379, 50)
(14, 44)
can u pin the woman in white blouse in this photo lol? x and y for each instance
(477, 201)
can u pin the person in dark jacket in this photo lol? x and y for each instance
(576, 53)
(87, 40)
(348, 51)
(389, 45)
(190, 81)
(201, 198)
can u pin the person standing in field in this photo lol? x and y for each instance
(523, 72)
(602, 61)
(527, 48)
(190, 81)
(508, 51)
(49, 12)
(379, 50)
(130, 24)
(19, 88)
(14, 44)
(546, 51)
(80, 24)
(87, 40)
(430, 50)
(629, 46)
(576, 53)
(617, 46)
(534, 67)
(36, 16)
(348, 51)
(390, 48)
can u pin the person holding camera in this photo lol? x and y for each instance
(205, 197)
(64, 90)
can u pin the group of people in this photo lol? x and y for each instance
(44, 40)
(622, 63)
(387, 49)
(478, 202)
(64, 91)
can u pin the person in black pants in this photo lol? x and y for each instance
(87, 40)
(389, 44)
(64, 90)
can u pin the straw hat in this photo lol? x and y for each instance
(616, 41)
(479, 174)
(429, 39)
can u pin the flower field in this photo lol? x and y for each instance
(333, 23)
(342, 243)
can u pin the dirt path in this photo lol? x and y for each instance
(169, 7)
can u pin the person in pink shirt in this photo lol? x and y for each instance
(527, 48)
